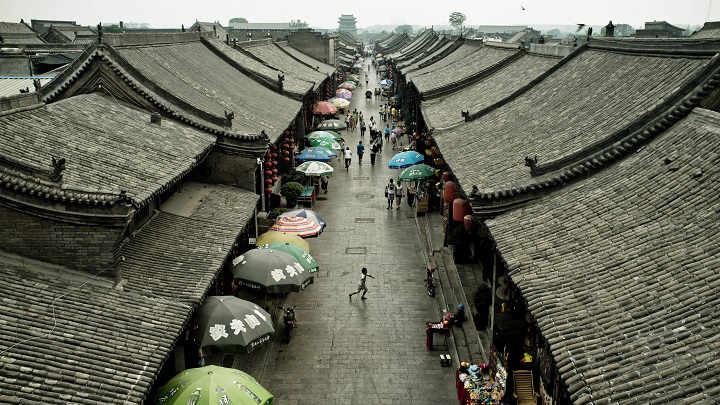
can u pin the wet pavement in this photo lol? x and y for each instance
(357, 351)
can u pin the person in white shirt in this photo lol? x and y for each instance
(348, 157)
(398, 194)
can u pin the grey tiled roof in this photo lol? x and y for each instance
(413, 64)
(107, 145)
(322, 67)
(276, 57)
(14, 28)
(446, 111)
(179, 252)
(63, 341)
(268, 73)
(192, 72)
(423, 41)
(583, 102)
(442, 77)
(463, 52)
(622, 271)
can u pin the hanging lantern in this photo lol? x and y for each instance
(469, 222)
(273, 146)
(286, 152)
(430, 141)
(274, 179)
(436, 151)
(274, 171)
(292, 140)
(274, 155)
(292, 147)
(267, 164)
(268, 156)
(268, 173)
(285, 146)
(446, 176)
(428, 152)
(449, 192)
(461, 208)
(286, 133)
(286, 159)
(268, 190)
(268, 182)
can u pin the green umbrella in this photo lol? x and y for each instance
(302, 256)
(322, 134)
(417, 172)
(212, 385)
(325, 143)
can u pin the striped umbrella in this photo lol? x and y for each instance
(309, 214)
(302, 227)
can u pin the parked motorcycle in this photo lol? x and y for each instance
(429, 283)
(289, 321)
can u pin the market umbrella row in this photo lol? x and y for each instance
(228, 323)
(405, 159)
(316, 153)
(302, 256)
(334, 125)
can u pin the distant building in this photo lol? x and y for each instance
(215, 27)
(659, 29)
(347, 23)
(253, 31)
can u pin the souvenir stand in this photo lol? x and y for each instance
(483, 383)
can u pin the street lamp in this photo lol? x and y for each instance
(260, 162)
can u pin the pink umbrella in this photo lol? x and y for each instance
(343, 93)
(297, 225)
(325, 108)
(398, 130)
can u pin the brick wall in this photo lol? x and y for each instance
(82, 247)
(311, 43)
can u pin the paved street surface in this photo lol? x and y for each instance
(359, 351)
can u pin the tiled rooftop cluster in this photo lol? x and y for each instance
(622, 271)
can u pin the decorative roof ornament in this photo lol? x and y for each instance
(531, 162)
(281, 79)
(58, 167)
(229, 116)
(99, 34)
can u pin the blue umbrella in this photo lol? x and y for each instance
(405, 159)
(314, 153)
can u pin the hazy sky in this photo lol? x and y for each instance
(324, 13)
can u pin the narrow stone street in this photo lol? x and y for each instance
(360, 351)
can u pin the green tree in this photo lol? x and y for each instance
(457, 19)
(239, 20)
(403, 28)
(554, 32)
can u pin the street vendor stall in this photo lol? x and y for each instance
(482, 383)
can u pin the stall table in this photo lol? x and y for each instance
(307, 196)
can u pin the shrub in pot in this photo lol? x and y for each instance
(291, 191)
(481, 300)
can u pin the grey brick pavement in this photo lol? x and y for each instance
(359, 352)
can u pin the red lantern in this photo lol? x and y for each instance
(449, 191)
(469, 222)
(268, 173)
(286, 152)
(292, 147)
(292, 140)
(274, 155)
(429, 141)
(286, 159)
(268, 182)
(285, 146)
(286, 133)
(273, 146)
(268, 156)
(268, 164)
(461, 208)
(446, 176)
(273, 163)
(274, 171)
(274, 179)
(268, 190)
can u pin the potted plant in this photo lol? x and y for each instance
(276, 212)
(481, 300)
(291, 191)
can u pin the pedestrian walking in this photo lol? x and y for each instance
(324, 181)
(387, 133)
(348, 157)
(362, 127)
(373, 152)
(379, 144)
(390, 193)
(367, 80)
(353, 123)
(398, 194)
(360, 152)
(347, 122)
(361, 285)
(393, 140)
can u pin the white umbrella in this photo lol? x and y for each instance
(314, 168)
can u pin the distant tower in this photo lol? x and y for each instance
(347, 23)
